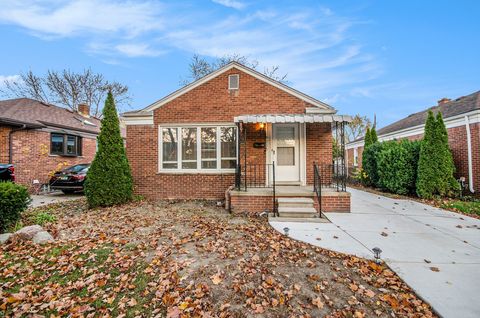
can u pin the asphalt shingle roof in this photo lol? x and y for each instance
(34, 113)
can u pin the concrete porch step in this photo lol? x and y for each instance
(315, 219)
(298, 202)
(297, 212)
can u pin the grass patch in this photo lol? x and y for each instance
(43, 218)
(102, 254)
(467, 207)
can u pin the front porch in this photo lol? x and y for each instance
(287, 165)
(258, 200)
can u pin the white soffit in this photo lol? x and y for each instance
(292, 118)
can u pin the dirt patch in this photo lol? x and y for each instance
(190, 259)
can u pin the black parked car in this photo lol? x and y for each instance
(7, 172)
(70, 179)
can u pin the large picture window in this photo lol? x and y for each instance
(65, 145)
(204, 148)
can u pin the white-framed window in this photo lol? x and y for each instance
(197, 148)
(234, 81)
(355, 157)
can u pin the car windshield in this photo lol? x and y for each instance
(77, 168)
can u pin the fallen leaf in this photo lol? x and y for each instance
(132, 302)
(317, 302)
(216, 279)
(369, 293)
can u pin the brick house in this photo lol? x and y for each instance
(462, 119)
(39, 138)
(237, 135)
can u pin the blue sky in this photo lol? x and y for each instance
(388, 58)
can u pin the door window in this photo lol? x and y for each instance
(285, 146)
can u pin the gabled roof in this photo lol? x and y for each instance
(36, 114)
(148, 110)
(461, 105)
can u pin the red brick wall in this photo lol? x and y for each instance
(457, 140)
(32, 159)
(319, 150)
(336, 202)
(210, 102)
(351, 155)
(4, 156)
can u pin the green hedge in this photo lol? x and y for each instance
(397, 166)
(369, 164)
(14, 199)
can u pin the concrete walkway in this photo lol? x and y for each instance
(54, 197)
(414, 237)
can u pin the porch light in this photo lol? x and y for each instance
(376, 253)
(261, 126)
(286, 230)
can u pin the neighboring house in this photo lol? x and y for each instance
(462, 119)
(39, 138)
(227, 129)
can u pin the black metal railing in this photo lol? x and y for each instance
(317, 187)
(256, 175)
(333, 176)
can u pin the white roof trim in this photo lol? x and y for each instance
(247, 70)
(138, 120)
(292, 118)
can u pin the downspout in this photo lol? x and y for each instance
(469, 149)
(10, 142)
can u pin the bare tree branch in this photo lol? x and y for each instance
(67, 89)
(200, 66)
(357, 127)
(29, 85)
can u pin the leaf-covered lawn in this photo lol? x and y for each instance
(466, 207)
(188, 260)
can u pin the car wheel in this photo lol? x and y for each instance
(68, 191)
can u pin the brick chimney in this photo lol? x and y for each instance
(443, 101)
(84, 110)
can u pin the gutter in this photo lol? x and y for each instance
(10, 141)
(469, 149)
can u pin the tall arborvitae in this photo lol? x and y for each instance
(427, 176)
(449, 184)
(368, 139)
(373, 135)
(435, 164)
(109, 179)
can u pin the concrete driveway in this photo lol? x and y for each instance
(414, 238)
(54, 197)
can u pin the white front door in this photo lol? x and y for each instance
(286, 153)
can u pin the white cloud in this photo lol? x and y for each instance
(137, 50)
(312, 45)
(231, 4)
(9, 79)
(77, 17)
